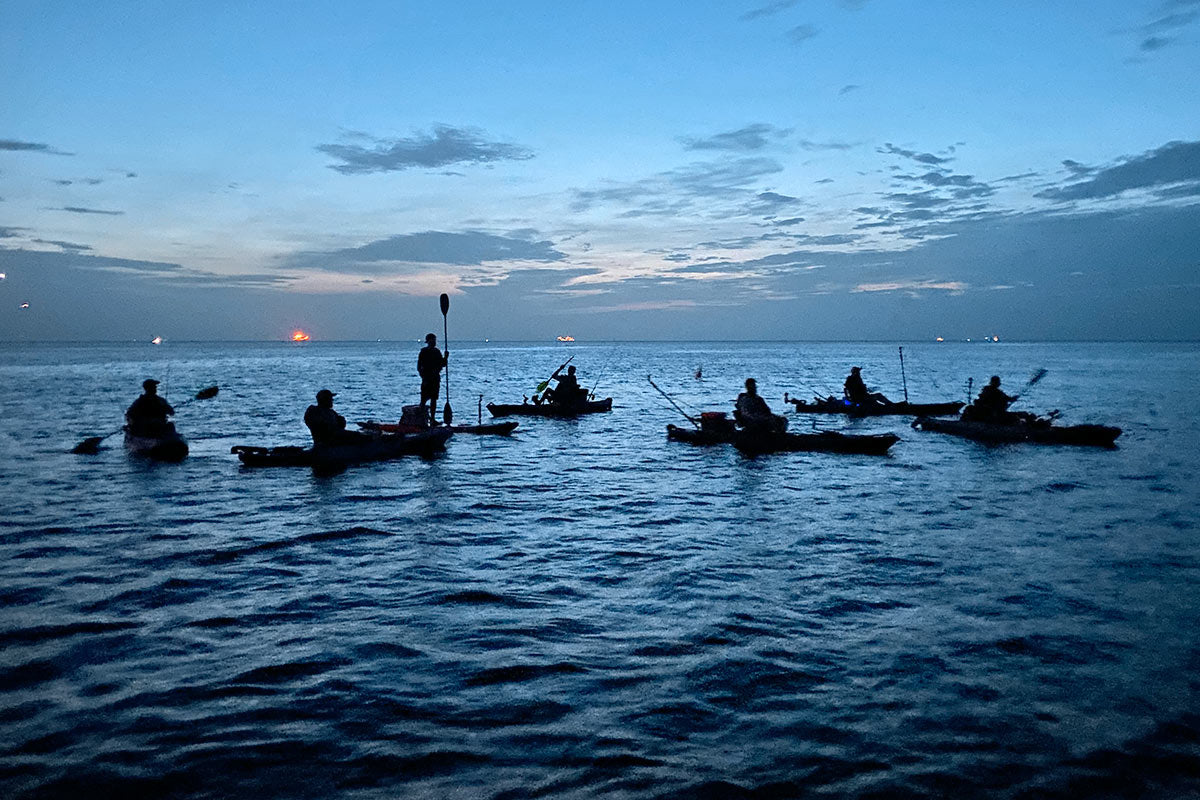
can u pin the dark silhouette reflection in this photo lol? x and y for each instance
(334, 447)
(148, 429)
(567, 399)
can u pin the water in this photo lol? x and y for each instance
(586, 609)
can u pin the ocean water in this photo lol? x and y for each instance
(586, 609)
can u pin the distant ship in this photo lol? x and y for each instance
(566, 338)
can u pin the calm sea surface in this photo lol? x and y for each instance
(586, 609)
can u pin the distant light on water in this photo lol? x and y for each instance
(939, 339)
(24, 305)
(3, 276)
(300, 336)
(156, 340)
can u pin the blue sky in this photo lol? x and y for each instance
(862, 169)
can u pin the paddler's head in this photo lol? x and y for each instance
(150, 386)
(751, 386)
(431, 339)
(325, 398)
(995, 381)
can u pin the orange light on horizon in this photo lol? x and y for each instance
(300, 336)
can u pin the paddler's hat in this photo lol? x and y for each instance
(326, 393)
(149, 384)
(856, 369)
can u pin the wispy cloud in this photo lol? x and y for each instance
(801, 33)
(956, 287)
(675, 191)
(848, 88)
(1169, 19)
(751, 138)
(82, 210)
(770, 9)
(67, 246)
(31, 147)
(390, 255)
(1172, 164)
(921, 158)
(443, 146)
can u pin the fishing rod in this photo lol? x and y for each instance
(686, 415)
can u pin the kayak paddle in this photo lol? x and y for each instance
(447, 412)
(91, 445)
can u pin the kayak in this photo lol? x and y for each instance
(168, 446)
(549, 409)
(378, 448)
(759, 442)
(1037, 432)
(832, 405)
(486, 429)
(698, 435)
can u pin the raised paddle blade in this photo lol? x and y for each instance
(445, 301)
(1037, 376)
(210, 392)
(447, 414)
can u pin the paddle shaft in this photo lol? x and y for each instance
(903, 377)
(447, 412)
(541, 387)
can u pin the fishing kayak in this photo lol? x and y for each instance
(378, 448)
(698, 435)
(167, 446)
(1036, 432)
(485, 429)
(759, 442)
(549, 409)
(832, 405)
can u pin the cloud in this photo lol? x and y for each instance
(1172, 17)
(921, 158)
(64, 245)
(769, 203)
(470, 248)
(8, 232)
(443, 146)
(848, 88)
(808, 144)
(81, 210)
(748, 139)
(1173, 163)
(912, 286)
(675, 191)
(768, 10)
(34, 147)
(801, 34)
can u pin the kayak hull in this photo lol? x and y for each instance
(1077, 435)
(760, 443)
(835, 406)
(168, 447)
(698, 436)
(484, 429)
(549, 409)
(380, 448)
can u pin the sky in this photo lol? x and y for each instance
(748, 170)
